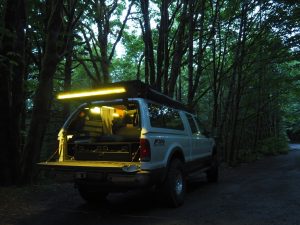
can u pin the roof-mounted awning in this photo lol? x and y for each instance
(123, 90)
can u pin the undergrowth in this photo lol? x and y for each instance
(268, 147)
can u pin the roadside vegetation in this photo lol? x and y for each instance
(235, 63)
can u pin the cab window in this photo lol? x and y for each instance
(164, 117)
(192, 124)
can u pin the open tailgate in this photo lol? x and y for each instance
(99, 166)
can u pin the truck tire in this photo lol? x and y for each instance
(212, 174)
(91, 195)
(174, 186)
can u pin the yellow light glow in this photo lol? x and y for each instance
(69, 136)
(108, 107)
(92, 93)
(116, 115)
(95, 110)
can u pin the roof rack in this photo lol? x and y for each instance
(124, 89)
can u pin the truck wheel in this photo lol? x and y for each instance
(91, 195)
(174, 186)
(212, 174)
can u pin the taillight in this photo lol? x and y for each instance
(145, 151)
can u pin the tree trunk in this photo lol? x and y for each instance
(149, 54)
(191, 52)
(162, 48)
(43, 95)
(68, 73)
(178, 52)
(138, 71)
(12, 48)
(237, 77)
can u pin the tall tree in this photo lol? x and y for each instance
(73, 16)
(179, 47)
(12, 49)
(162, 67)
(149, 51)
(99, 47)
(43, 95)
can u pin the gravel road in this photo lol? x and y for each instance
(266, 192)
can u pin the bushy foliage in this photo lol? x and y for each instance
(273, 146)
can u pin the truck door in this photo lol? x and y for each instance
(201, 145)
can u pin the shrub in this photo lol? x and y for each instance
(273, 146)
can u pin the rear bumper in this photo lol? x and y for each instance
(117, 181)
(107, 175)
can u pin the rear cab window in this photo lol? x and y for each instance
(164, 117)
(192, 123)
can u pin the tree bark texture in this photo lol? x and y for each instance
(149, 54)
(43, 96)
(178, 51)
(12, 50)
(163, 44)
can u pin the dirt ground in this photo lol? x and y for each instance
(266, 192)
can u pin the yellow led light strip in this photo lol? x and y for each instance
(92, 93)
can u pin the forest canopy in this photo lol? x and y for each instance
(236, 63)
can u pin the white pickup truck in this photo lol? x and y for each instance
(126, 135)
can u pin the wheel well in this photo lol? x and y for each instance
(177, 153)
